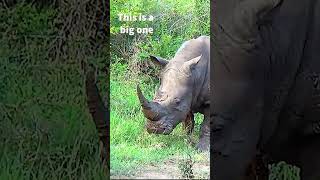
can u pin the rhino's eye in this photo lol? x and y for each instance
(161, 96)
(159, 93)
(177, 101)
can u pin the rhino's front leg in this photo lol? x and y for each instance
(204, 140)
(188, 123)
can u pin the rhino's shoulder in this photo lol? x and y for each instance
(203, 37)
(202, 41)
(192, 43)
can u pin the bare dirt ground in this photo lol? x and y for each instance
(169, 169)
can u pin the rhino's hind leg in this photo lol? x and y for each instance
(204, 140)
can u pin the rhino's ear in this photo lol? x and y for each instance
(158, 61)
(190, 65)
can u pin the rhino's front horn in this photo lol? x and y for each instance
(149, 109)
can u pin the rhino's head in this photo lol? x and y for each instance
(173, 99)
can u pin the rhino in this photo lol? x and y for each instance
(184, 90)
(266, 92)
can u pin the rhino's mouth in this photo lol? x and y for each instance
(159, 127)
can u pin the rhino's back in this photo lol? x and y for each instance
(194, 48)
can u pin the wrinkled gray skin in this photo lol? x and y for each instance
(183, 91)
(266, 73)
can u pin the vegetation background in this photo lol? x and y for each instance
(46, 130)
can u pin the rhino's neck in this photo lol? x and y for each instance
(200, 76)
(200, 89)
